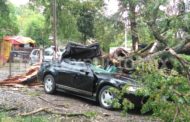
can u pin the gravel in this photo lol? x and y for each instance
(26, 99)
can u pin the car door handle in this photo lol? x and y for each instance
(84, 72)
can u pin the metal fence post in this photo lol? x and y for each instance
(10, 64)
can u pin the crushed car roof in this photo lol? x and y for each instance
(79, 51)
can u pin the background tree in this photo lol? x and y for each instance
(32, 24)
(66, 18)
(131, 6)
(85, 21)
(108, 33)
(8, 25)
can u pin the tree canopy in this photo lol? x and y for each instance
(8, 23)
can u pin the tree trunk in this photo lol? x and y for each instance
(84, 39)
(132, 18)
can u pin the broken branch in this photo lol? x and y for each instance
(65, 106)
(182, 61)
(176, 114)
(53, 112)
(33, 112)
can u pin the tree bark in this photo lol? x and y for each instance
(132, 18)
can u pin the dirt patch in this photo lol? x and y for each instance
(19, 100)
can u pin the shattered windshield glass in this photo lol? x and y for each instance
(97, 69)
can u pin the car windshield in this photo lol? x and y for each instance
(48, 53)
(97, 69)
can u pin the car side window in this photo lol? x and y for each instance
(48, 53)
(80, 66)
(73, 65)
(34, 52)
(65, 64)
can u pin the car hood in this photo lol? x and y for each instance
(117, 78)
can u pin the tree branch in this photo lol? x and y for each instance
(52, 112)
(63, 105)
(176, 114)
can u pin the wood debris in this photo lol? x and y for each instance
(30, 75)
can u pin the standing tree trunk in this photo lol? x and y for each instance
(132, 19)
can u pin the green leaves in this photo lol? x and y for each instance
(85, 21)
(32, 24)
(119, 101)
(8, 26)
(167, 90)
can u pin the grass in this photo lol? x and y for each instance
(4, 117)
(34, 94)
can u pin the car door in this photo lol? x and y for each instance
(65, 74)
(34, 56)
(83, 80)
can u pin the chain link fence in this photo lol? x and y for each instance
(17, 63)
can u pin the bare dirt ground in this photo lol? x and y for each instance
(24, 99)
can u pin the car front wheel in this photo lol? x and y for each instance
(49, 84)
(106, 97)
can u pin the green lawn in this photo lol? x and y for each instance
(4, 117)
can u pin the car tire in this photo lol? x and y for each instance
(105, 96)
(49, 84)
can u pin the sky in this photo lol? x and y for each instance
(112, 5)
(19, 2)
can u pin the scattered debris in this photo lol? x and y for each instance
(106, 114)
(28, 77)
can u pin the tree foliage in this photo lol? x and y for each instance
(168, 90)
(8, 25)
(32, 24)
(108, 32)
(79, 21)
(66, 18)
(85, 21)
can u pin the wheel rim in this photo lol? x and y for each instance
(48, 84)
(107, 98)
